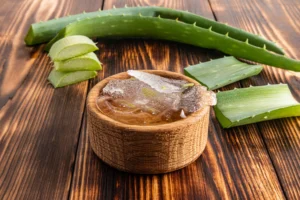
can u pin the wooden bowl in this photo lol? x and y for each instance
(146, 149)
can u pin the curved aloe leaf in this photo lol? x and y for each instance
(44, 31)
(255, 104)
(71, 46)
(174, 30)
(87, 62)
(220, 72)
(60, 79)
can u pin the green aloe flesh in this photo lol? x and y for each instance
(71, 46)
(255, 104)
(220, 72)
(166, 29)
(44, 31)
(61, 79)
(87, 62)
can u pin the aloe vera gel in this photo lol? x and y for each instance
(148, 99)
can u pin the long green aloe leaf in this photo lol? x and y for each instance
(87, 62)
(44, 31)
(166, 29)
(71, 46)
(255, 104)
(61, 79)
(220, 72)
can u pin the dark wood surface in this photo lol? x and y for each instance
(44, 148)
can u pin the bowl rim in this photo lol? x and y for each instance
(94, 93)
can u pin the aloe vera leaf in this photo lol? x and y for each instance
(87, 62)
(159, 28)
(44, 31)
(220, 72)
(71, 46)
(61, 79)
(255, 104)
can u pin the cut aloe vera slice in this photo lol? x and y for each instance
(71, 46)
(87, 62)
(61, 79)
(255, 104)
(220, 72)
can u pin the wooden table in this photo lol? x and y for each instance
(44, 148)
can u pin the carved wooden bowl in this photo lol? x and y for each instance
(146, 149)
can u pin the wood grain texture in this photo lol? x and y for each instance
(235, 163)
(39, 126)
(276, 20)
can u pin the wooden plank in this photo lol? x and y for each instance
(276, 20)
(235, 163)
(39, 126)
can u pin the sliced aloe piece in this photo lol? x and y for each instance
(61, 79)
(71, 46)
(255, 104)
(87, 62)
(220, 72)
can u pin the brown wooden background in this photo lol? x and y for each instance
(44, 149)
